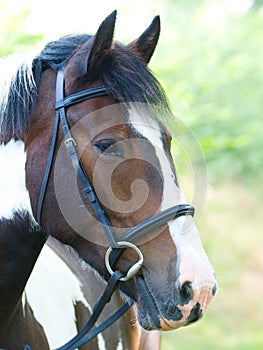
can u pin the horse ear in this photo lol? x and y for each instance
(145, 45)
(89, 57)
(102, 43)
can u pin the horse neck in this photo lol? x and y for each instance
(20, 245)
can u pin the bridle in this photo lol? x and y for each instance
(116, 245)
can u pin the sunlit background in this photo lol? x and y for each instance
(210, 62)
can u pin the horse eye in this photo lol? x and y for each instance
(107, 147)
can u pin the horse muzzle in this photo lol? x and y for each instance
(187, 304)
(190, 311)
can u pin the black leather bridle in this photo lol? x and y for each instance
(116, 244)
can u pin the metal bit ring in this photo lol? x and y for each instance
(134, 269)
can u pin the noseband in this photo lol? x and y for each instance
(116, 244)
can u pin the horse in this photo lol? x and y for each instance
(99, 205)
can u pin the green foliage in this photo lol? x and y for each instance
(211, 65)
(257, 4)
(13, 34)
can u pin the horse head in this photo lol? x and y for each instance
(124, 149)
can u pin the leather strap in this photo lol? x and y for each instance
(106, 324)
(149, 224)
(158, 220)
(81, 97)
(47, 170)
(82, 337)
(77, 164)
(72, 151)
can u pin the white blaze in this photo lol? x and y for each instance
(194, 265)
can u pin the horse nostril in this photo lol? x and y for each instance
(186, 292)
(195, 314)
(214, 290)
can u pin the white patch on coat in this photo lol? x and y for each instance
(23, 300)
(52, 291)
(119, 345)
(13, 193)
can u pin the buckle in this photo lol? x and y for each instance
(70, 139)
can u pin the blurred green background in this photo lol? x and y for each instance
(210, 62)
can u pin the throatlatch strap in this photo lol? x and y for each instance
(47, 170)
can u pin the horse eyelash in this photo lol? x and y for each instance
(103, 145)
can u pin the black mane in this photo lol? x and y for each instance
(126, 77)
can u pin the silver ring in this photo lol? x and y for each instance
(134, 269)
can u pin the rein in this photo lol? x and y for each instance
(116, 244)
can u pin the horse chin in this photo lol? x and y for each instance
(169, 325)
(148, 311)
